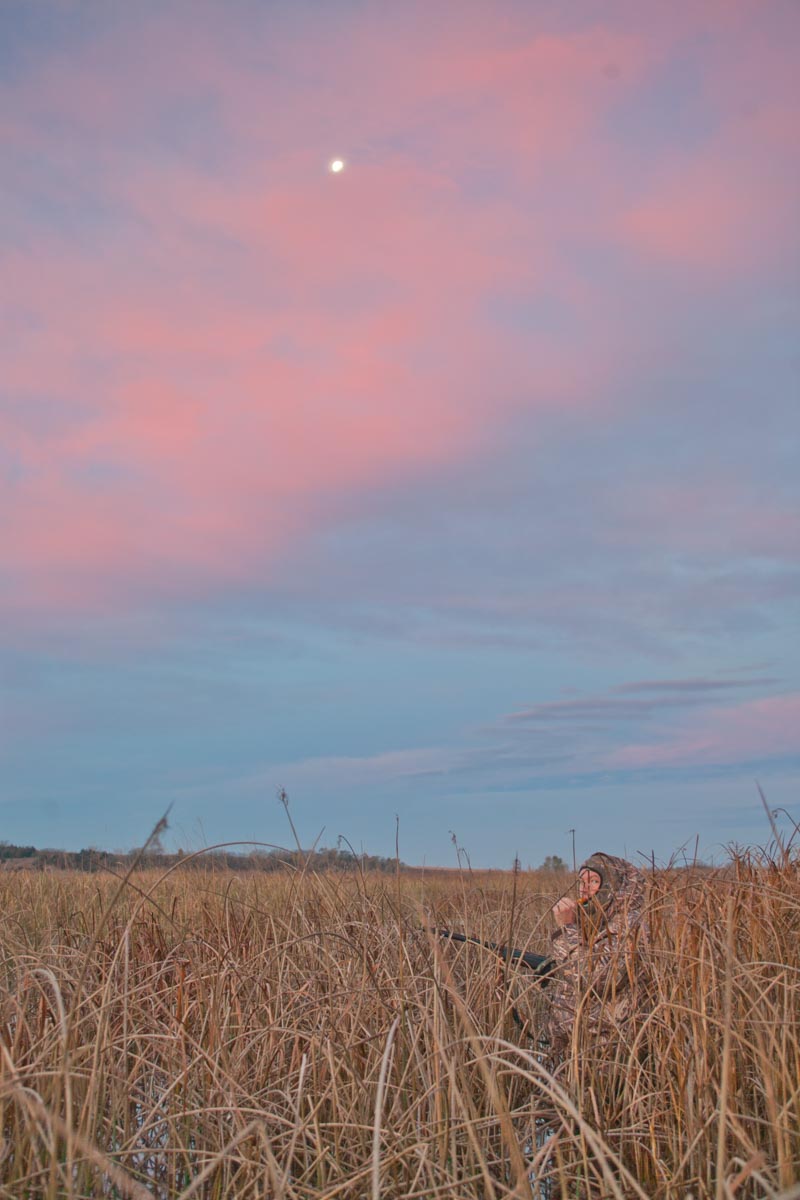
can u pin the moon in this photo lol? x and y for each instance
(337, 165)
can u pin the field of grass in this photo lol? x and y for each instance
(207, 1034)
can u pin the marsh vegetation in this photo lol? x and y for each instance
(297, 1035)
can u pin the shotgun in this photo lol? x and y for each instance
(540, 964)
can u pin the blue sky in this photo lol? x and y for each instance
(459, 487)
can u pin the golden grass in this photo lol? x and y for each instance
(216, 1035)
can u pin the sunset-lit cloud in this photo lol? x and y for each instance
(754, 731)
(240, 342)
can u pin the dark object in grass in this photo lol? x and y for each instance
(540, 964)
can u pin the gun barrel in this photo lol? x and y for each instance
(539, 963)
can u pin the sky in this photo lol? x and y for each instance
(458, 489)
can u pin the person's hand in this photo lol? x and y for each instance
(564, 911)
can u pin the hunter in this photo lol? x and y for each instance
(597, 953)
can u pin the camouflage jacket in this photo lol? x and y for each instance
(599, 976)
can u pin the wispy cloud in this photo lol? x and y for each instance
(651, 697)
(581, 740)
(754, 731)
(693, 687)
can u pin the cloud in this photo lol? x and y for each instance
(696, 209)
(640, 701)
(417, 763)
(701, 724)
(695, 687)
(707, 217)
(215, 346)
(604, 708)
(581, 742)
(760, 729)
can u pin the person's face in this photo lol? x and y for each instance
(589, 884)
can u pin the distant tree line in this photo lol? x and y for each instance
(319, 859)
(92, 859)
(9, 851)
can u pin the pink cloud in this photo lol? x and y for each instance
(239, 342)
(727, 206)
(739, 517)
(709, 215)
(753, 730)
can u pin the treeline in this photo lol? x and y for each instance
(91, 859)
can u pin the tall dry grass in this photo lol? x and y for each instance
(212, 1035)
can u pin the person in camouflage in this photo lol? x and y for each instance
(596, 983)
(597, 952)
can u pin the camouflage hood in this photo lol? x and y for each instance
(622, 886)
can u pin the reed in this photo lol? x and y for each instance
(298, 1036)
